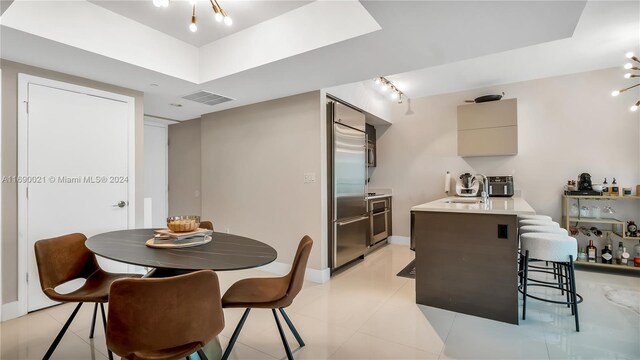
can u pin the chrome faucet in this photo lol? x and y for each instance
(484, 194)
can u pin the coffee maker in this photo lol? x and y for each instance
(584, 182)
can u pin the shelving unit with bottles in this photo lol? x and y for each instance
(616, 226)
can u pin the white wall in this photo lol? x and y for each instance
(567, 125)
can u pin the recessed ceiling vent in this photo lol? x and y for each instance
(207, 98)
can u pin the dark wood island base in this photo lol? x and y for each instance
(467, 262)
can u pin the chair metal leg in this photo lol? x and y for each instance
(202, 355)
(235, 335)
(93, 320)
(287, 349)
(524, 284)
(574, 292)
(104, 322)
(291, 327)
(56, 341)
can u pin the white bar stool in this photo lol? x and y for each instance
(534, 217)
(525, 222)
(559, 249)
(543, 229)
(550, 229)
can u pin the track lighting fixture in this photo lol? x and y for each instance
(386, 85)
(218, 12)
(629, 66)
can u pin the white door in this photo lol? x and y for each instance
(155, 174)
(77, 158)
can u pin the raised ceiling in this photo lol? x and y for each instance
(349, 41)
(175, 19)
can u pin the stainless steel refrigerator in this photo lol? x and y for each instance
(349, 217)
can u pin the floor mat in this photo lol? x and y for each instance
(409, 271)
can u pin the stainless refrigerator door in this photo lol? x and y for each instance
(349, 172)
(347, 116)
(350, 240)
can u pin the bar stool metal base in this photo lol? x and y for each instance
(565, 275)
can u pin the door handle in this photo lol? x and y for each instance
(341, 223)
(120, 204)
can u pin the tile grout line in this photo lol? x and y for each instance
(444, 343)
(389, 340)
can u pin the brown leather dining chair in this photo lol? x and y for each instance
(206, 225)
(164, 318)
(65, 258)
(270, 293)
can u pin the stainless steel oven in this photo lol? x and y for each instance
(379, 219)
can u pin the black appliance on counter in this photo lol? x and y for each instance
(500, 186)
(584, 182)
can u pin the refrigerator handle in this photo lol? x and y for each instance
(342, 223)
(366, 172)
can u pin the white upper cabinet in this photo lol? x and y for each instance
(488, 129)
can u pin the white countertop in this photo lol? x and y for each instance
(496, 205)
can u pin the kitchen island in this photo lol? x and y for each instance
(466, 255)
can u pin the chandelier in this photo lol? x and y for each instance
(218, 12)
(629, 66)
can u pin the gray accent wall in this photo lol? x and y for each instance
(185, 169)
(9, 155)
(253, 163)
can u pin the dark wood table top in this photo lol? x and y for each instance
(224, 252)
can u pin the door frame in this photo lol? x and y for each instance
(23, 87)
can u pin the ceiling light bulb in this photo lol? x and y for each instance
(384, 87)
(192, 2)
(165, 3)
(193, 27)
(394, 95)
(627, 75)
(615, 93)
(634, 108)
(158, 3)
(218, 17)
(628, 66)
(228, 21)
(377, 81)
(629, 55)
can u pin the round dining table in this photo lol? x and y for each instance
(224, 252)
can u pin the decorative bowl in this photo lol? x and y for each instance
(183, 223)
(597, 187)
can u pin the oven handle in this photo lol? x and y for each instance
(380, 212)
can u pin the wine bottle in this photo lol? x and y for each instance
(619, 253)
(607, 255)
(591, 252)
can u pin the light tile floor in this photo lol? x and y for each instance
(367, 312)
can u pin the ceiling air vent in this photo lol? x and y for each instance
(207, 98)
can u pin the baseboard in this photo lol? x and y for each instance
(399, 240)
(10, 311)
(313, 275)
